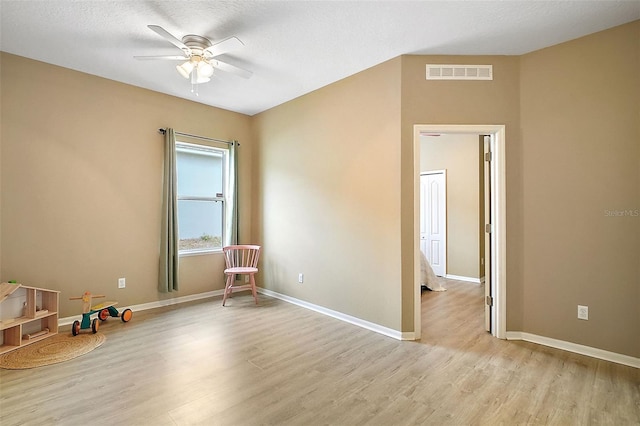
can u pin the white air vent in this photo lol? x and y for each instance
(459, 72)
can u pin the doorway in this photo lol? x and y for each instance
(497, 237)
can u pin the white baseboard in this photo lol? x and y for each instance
(334, 314)
(461, 278)
(576, 348)
(511, 335)
(152, 305)
(398, 335)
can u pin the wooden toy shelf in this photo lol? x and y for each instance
(13, 329)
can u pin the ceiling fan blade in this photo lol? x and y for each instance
(170, 38)
(224, 46)
(166, 58)
(230, 68)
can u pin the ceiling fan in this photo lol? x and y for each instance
(199, 56)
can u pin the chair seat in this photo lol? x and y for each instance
(241, 270)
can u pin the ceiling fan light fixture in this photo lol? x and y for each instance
(196, 78)
(205, 70)
(185, 69)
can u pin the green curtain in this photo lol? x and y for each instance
(168, 273)
(231, 230)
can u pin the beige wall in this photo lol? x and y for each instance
(81, 182)
(463, 102)
(581, 158)
(327, 201)
(576, 156)
(458, 155)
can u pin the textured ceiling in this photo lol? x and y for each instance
(292, 47)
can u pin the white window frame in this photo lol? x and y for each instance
(191, 147)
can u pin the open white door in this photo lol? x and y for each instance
(488, 307)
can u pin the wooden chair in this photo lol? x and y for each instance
(240, 260)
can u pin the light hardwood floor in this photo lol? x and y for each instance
(202, 364)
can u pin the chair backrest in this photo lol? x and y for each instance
(245, 256)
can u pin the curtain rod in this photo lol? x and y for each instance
(163, 131)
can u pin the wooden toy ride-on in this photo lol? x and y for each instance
(104, 311)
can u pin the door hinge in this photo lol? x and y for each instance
(489, 301)
(488, 228)
(487, 156)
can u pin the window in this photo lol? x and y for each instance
(201, 184)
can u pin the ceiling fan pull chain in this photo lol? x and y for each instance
(194, 81)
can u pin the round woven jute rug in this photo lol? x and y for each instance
(55, 349)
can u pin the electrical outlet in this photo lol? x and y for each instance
(300, 277)
(583, 312)
(246, 278)
(121, 283)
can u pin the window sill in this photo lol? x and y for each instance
(198, 252)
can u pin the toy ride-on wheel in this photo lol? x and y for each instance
(95, 324)
(126, 315)
(75, 328)
(103, 314)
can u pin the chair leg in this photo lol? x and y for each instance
(227, 288)
(253, 288)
